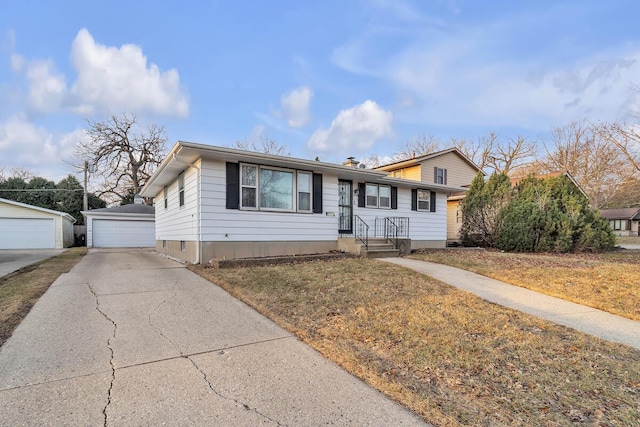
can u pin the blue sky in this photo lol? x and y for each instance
(324, 78)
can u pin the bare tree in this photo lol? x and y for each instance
(266, 145)
(626, 137)
(479, 151)
(585, 151)
(418, 146)
(516, 153)
(123, 153)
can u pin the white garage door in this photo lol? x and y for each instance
(27, 233)
(110, 233)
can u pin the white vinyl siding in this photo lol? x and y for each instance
(179, 222)
(430, 226)
(237, 225)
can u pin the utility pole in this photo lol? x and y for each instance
(85, 199)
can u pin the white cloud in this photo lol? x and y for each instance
(108, 79)
(295, 106)
(472, 76)
(47, 89)
(119, 79)
(357, 129)
(27, 146)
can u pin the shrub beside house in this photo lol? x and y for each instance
(535, 215)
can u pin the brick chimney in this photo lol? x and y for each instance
(351, 162)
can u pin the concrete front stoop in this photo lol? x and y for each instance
(379, 248)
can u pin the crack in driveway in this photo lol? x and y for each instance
(113, 368)
(157, 329)
(219, 394)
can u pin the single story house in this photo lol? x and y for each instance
(624, 222)
(126, 226)
(448, 167)
(24, 226)
(223, 203)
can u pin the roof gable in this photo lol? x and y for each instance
(37, 208)
(418, 160)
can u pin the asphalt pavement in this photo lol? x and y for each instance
(130, 338)
(14, 259)
(585, 319)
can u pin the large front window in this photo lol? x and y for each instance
(266, 188)
(276, 189)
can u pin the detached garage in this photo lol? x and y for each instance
(25, 226)
(127, 226)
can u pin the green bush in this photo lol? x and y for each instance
(537, 215)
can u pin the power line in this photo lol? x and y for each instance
(39, 189)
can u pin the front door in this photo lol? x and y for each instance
(345, 207)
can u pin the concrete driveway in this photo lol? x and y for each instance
(130, 338)
(14, 259)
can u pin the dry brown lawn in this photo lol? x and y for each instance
(20, 290)
(444, 353)
(609, 281)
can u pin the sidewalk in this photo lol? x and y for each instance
(584, 319)
(130, 338)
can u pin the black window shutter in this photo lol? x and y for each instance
(414, 199)
(361, 194)
(435, 175)
(317, 193)
(233, 185)
(445, 177)
(432, 202)
(394, 197)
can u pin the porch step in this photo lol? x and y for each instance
(380, 253)
(380, 248)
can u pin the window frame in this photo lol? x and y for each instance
(440, 176)
(181, 189)
(428, 200)
(366, 195)
(296, 191)
(249, 186)
(309, 191)
(386, 187)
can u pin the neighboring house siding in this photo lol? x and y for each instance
(220, 224)
(454, 220)
(413, 173)
(179, 222)
(459, 172)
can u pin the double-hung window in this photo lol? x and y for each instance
(424, 200)
(181, 189)
(304, 191)
(378, 196)
(249, 187)
(440, 176)
(275, 189)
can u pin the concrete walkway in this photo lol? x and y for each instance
(14, 259)
(584, 319)
(131, 338)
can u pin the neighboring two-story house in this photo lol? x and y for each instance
(446, 167)
(223, 203)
